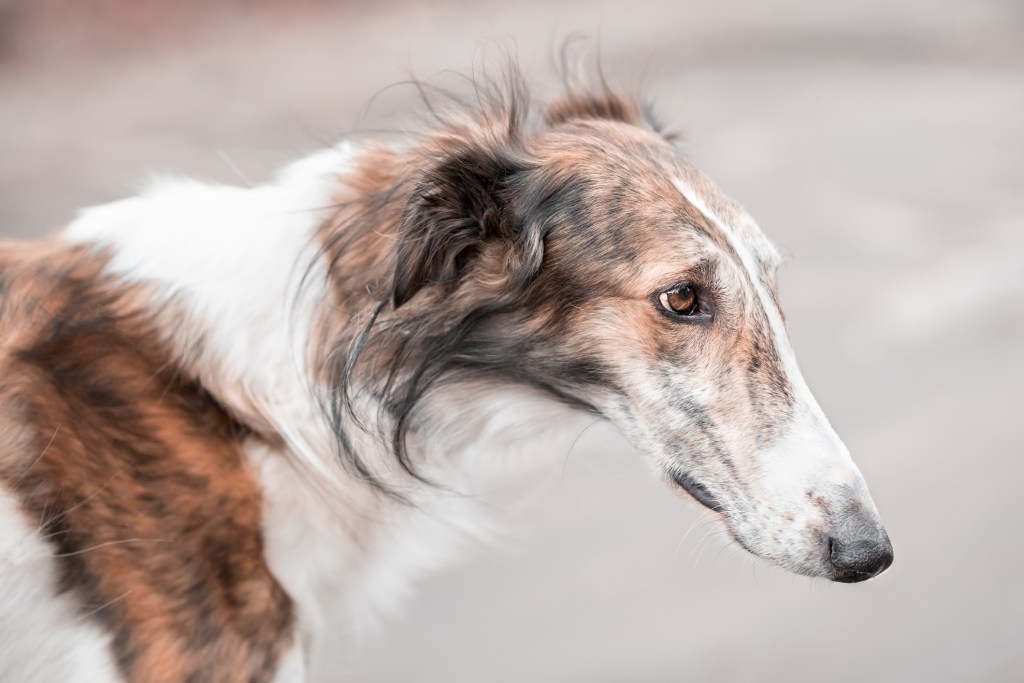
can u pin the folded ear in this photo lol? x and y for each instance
(461, 217)
(604, 104)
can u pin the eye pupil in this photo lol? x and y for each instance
(681, 300)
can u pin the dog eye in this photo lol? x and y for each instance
(681, 300)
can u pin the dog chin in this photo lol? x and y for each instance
(801, 566)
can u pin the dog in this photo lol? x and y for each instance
(234, 422)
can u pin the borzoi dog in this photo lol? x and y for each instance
(232, 420)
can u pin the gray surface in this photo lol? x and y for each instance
(880, 143)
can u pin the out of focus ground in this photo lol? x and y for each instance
(881, 143)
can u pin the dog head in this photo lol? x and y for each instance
(582, 254)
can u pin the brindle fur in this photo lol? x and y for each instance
(509, 245)
(134, 474)
(502, 247)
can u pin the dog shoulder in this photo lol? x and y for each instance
(126, 481)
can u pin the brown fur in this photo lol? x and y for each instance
(540, 246)
(134, 474)
(507, 246)
(586, 106)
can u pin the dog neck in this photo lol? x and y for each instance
(232, 274)
(252, 287)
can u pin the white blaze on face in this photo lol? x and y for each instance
(809, 456)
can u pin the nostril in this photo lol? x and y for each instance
(860, 559)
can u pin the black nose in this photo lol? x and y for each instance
(859, 559)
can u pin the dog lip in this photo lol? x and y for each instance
(698, 491)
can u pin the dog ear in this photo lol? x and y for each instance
(461, 218)
(606, 104)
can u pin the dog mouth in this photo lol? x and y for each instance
(697, 490)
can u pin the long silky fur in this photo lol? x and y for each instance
(474, 179)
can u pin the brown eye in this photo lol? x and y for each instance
(680, 300)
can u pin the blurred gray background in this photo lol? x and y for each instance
(880, 143)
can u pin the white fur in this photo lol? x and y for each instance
(810, 455)
(231, 259)
(45, 636)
